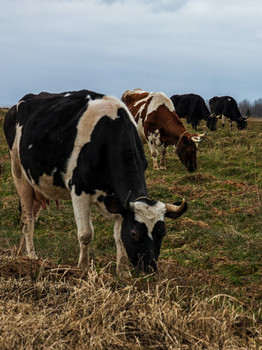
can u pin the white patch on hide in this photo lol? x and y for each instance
(154, 138)
(140, 130)
(159, 99)
(18, 104)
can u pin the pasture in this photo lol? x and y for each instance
(207, 293)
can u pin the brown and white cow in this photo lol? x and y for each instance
(159, 126)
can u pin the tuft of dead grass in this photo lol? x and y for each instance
(58, 307)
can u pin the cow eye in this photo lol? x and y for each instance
(134, 235)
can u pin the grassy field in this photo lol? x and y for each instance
(207, 294)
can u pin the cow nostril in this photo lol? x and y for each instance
(152, 268)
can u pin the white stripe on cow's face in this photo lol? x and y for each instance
(149, 214)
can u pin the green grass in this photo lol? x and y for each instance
(221, 233)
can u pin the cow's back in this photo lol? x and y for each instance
(190, 105)
(42, 129)
(225, 105)
(74, 139)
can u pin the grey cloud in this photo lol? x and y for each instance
(166, 5)
(202, 46)
(153, 5)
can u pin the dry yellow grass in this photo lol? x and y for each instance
(43, 306)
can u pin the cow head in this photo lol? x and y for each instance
(186, 149)
(242, 123)
(212, 122)
(143, 227)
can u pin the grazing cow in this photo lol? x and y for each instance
(194, 109)
(159, 125)
(85, 147)
(226, 106)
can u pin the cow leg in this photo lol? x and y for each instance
(85, 230)
(163, 161)
(25, 192)
(26, 243)
(223, 120)
(28, 223)
(122, 264)
(194, 125)
(153, 151)
(36, 210)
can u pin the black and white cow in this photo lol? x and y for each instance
(226, 106)
(194, 109)
(84, 146)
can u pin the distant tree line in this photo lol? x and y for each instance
(248, 109)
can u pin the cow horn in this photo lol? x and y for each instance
(127, 204)
(172, 208)
(199, 137)
(213, 115)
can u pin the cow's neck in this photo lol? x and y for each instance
(131, 177)
(173, 129)
(132, 184)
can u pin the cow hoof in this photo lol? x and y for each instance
(82, 266)
(124, 274)
(32, 255)
(123, 268)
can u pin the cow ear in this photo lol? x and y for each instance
(113, 205)
(185, 140)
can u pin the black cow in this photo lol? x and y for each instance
(226, 106)
(84, 146)
(194, 109)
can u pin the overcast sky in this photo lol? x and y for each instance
(208, 47)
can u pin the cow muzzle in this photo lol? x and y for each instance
(191, 168)
(146, 265)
